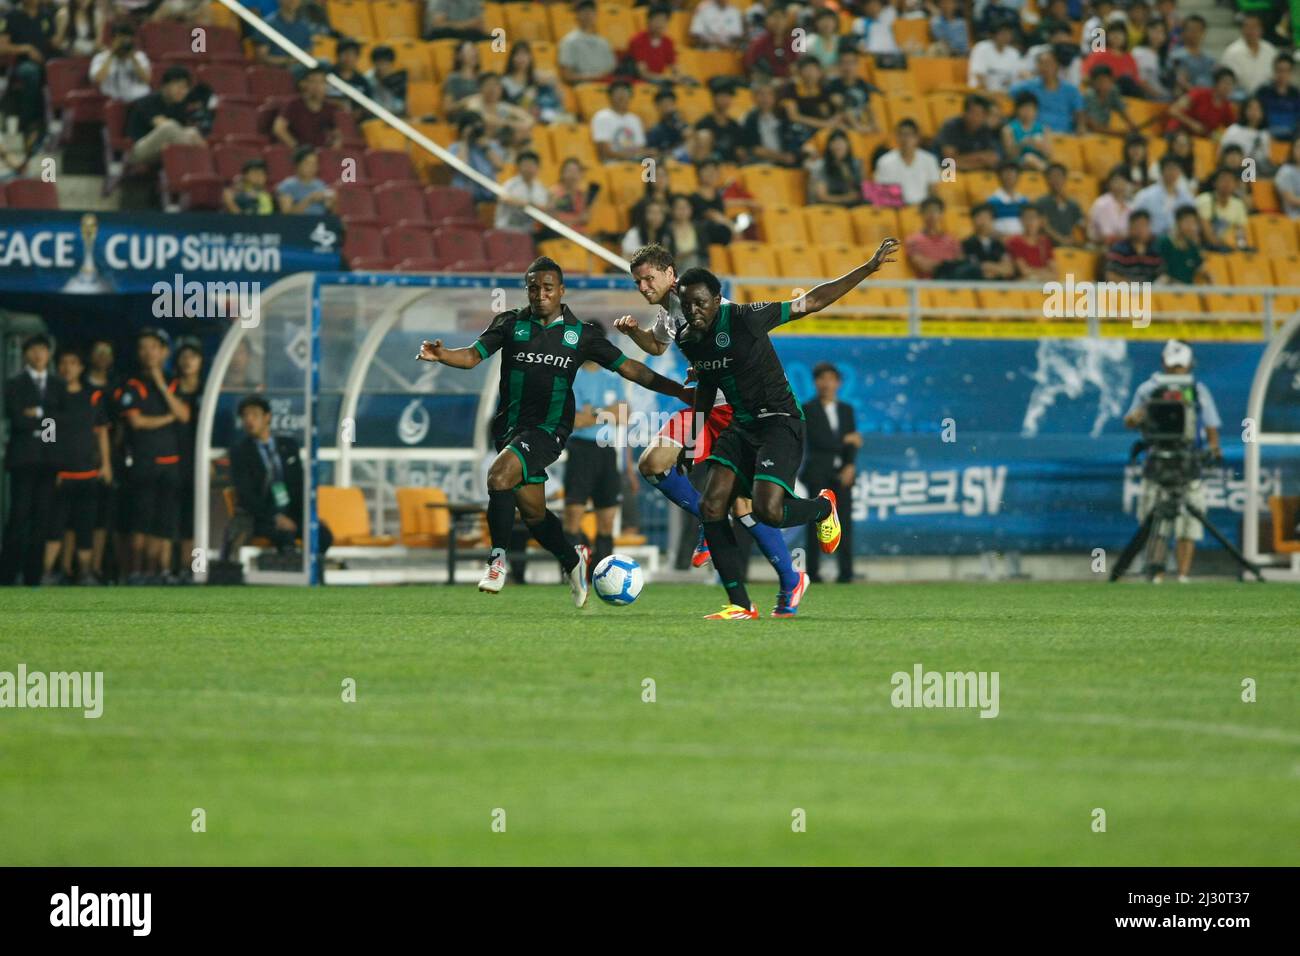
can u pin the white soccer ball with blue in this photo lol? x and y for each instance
(617, 580)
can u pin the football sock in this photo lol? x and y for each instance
(727, 560)
(677, 488)
(604, 548)
(772, 544)
(803, 510)
(549, 533)
(501, 518)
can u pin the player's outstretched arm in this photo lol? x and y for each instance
(643, 375)
(435, 351)
(819, 297)
(644, 338)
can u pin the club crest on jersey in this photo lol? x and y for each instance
(571, 337)
(722, 340)
(521, 332)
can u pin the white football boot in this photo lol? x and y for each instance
(494, 578)
(578, 576)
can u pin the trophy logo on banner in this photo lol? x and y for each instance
(88, 281)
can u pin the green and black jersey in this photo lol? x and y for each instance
(736, 355)
(538, 365)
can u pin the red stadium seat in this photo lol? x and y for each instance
(279, 162)
(408, 242)
(461, 248)
(223, 44)
(390, 166)
(422, 265)
(180, 163)
(363, 242)
(228, 82)
(235, 124)
(228, 159)
(509, 250)
(352, 138)
(448, 205)
(63, 75)
(402, 204)
(159, 37)
(31, 194)
(356, 206)
(332, 165)
(268, 111)
(268, 81)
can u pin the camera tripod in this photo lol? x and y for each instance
(1170, 503)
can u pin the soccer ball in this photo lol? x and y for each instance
(617, 580)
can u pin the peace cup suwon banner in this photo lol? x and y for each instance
(102, 253)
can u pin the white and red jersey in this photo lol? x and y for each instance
(669, 320)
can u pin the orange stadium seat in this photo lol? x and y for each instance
(826, 223)
(957, 222)
(1080, 263)
(1010, 304)
(1083, 189)
(909, 222)
(351, 18)
(912, 33)
(1100, 153)
(1263, 192)
(1033, 183)
(841, 257)
(1066, 150)
(1286, 270)
(1234, 306)
(979, 184)
(397, 19)
(1273, 234)
(944, 303)
(896, 81)
(943, 106)
(901, 105)
(752, 258)
(344, 510)
(783, 225)
(1216, 264)
(799, 261)
(571, 257)
(1250, 268)
(952, 192)
(936, 73)
(527, 21)
(1177, 306)
(872, 224)
(720, 261)
(618, 23)
(776, 183)
(420, 523)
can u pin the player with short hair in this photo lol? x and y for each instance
(655, 274)
(762, 449)
(543, 345)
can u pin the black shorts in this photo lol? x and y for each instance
(591, 474)
(535, 449)
(75, 504)
(766, 449)
(152, 493)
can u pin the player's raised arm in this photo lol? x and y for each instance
(819, 297)
(644, 338)
(435, 351)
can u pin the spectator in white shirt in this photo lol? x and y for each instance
(1250, 57)
(617, 131)
(717, 25)
(522, 189)
(915, 171)
(120, 70)
(995, 64)
(876, 27)
(1250, 134)
(1162, 199)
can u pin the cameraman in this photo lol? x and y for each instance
(1177, 360)
(120, 70)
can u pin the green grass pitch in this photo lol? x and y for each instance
(1125, 698)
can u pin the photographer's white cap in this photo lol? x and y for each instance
(1176, 353)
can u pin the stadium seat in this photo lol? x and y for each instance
(363, 243)
(64, 75)
(1101, 153)
(234, 123)
(356, 206)
(1249, 269)
(347, 127)
(419, 524)
(1032, 183)
(980, 185)
(343, 165)
(351, 18)
(228, 81)
(1273, 235)
(31, 194)
(1079, 263)
(948, 304)
(1176, 306)
(423, 98)
(905, 104)
(408, 242)
(379, 135)
(528, 21)
(783, 224)
(402, 204)
(449, 206)
(1264, 194)
(826, 223)
(1083, 189)
(572, 258)
(228, 159)
(396, 19)
(1009, 305)
(223, 45)
(799, 261)
(943, 106)
(1285, 509)
(618, 23)
(695, 62)
(896, 81)
(872, 224)
(753, 258)
(935, 73)
(1234, 306)
(344, 510)
(230, 498)
(159, 37)
(1216, 264)
(279, 163)
(188, 179)
(459, 246)
(265, 81)
(1286, 270)
(389, 166)
(1066, 150)
(509, 250)
(913, 33)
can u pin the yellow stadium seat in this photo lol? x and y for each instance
(682, 176)
(1079, 263)
(957, 222)
(909, 222)
(571, 257)
(442, 54)
(421, 524)
(1286, 270)
(413, 56)
(694, 103)
(618, 23)
(871, 224)
(221, 16)
(323, 47)
(643, 103)
(397, 19)
(932, 73)
(1264, 194)
(1083, 189)
(705, 63)
(1234, 306)
(679, 28)
(1177, 306)
(1273, 234)
(1204, 156)
(980, 184)
(1009, 304)
(841, 257)
(562, 20)
(569, 139)
(623, 182)
(344, 510)
(1250, 268)
(720, 260)
(897, 81)
(783, 225)
(756, 259)
(379, 135)
(592, 97)
(494, 17)
(827, 223)
(944, 303)
(943, 107)
(914, 33)
(527, 21)
(799, 261)
(952, 192)
(1101, 153)
(351, 18)
(423, 98)
(775, 184)
(1066, 150)
(1216, 264)
(1033, 183)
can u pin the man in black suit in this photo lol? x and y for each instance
(832, 445)
(33, 398)
(268, 477)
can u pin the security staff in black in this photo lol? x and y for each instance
(762, 449)
(542, 347)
